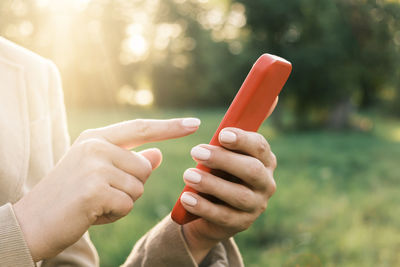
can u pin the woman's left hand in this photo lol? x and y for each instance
(246, 158)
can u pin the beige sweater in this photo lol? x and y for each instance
(33, 137)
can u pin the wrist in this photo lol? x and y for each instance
(198, 244)
(28, 229)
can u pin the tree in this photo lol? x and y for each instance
(342, 52)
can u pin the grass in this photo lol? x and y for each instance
(337, 203)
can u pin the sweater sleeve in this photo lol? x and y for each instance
(82, 253)
(165, 245)
(59, 130)
(13, 249)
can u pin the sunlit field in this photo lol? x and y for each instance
(337, 203)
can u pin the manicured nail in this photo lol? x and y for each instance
(227, 136)
(192, 176)
(191, 122)
(188, 199)
(200, 153)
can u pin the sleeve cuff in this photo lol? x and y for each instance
(162, 246)
(225, 253)
(13, 249)
(165, 245)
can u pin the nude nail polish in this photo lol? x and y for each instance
(188, 199)
(192, 176)
(200, 153)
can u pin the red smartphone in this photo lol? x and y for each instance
(248, 109)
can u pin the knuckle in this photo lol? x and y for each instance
(244, 198)
(147, 169)
(224, 219)
(142, 128)
(262, 144)
(139, 189)
(92, 146)
(86, 134)
(257, 170)
(244, 224)
(272, 187)
(144, 168)
(94, 213)
(263, 206)
(126, 206)
(103, 171)
(93, 190)
(131, 187)
(90, 165)
(274, 162)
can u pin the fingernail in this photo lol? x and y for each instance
(188, 199)
(191, 122)
(227, 136)
(200, 153)
(192, 176)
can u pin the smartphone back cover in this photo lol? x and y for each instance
(248, 110)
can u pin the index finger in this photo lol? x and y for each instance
(130, 134)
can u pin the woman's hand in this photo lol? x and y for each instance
(96, 182)
(245, 158)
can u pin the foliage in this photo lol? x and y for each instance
(337, 202)
(343, 52)
(197, 53)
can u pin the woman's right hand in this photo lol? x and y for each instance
(96, 182)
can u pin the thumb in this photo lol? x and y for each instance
(153, 155)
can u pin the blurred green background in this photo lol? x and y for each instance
(336, 131)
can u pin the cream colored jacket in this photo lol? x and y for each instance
(33, 137)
